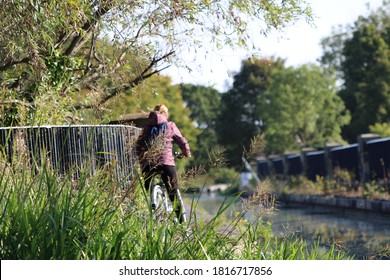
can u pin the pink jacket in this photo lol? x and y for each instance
(172, 135)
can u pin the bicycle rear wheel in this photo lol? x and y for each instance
(161, 205)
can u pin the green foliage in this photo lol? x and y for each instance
(82, 54)
(302, 185)
(60, 70)
(239, 120)
(11, 113)
(292, 107)
(294, 248)
(47, 217)
(361, 58)
(343, 183)
(332, 47)
(204, 104)
(344, 180)
(224, 175)
(301, 109)
(374, 190)
(382, 129)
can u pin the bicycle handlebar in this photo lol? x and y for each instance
(178, 155)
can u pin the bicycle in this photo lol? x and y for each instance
(160, 202)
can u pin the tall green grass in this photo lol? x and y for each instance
(47, 216)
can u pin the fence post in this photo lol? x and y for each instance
(328, 159)
(364, 168)
(270, 160)
(263, 167)
(286, 164)
(304, 152)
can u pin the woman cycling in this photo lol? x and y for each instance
(156, 155)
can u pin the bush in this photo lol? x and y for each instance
(224, 175)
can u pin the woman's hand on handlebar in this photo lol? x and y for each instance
(179, 155)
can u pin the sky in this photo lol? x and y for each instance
(298, 44)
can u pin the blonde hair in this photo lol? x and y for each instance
(162, 109)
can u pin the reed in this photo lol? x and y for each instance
(47, 216)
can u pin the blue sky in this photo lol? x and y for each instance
(299, 44)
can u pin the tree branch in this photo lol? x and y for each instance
(87, 27)
(152, 63)
(16, 101)
(117, 90)
(13, 62)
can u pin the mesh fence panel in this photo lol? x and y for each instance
(73, 148)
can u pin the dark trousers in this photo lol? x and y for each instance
(168, 175)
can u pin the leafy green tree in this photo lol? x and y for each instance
(366, 69)
(332, 47)
(301, 108)
(204, 103)
(362, 58)
(59, 57)
(239, 120)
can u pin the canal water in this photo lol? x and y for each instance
(363, 235)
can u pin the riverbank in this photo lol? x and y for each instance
(347, 202)
(358, 203)
(323, 192)
(338, 201)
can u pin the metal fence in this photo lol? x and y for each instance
(367, 160)
(73, 148)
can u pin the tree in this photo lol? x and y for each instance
(366, 71)
(54, 53)
(239, 120)
(363, 59)
(332, 47)
(301, 108)
(204, 103)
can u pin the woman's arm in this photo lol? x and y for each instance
(179, 139)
